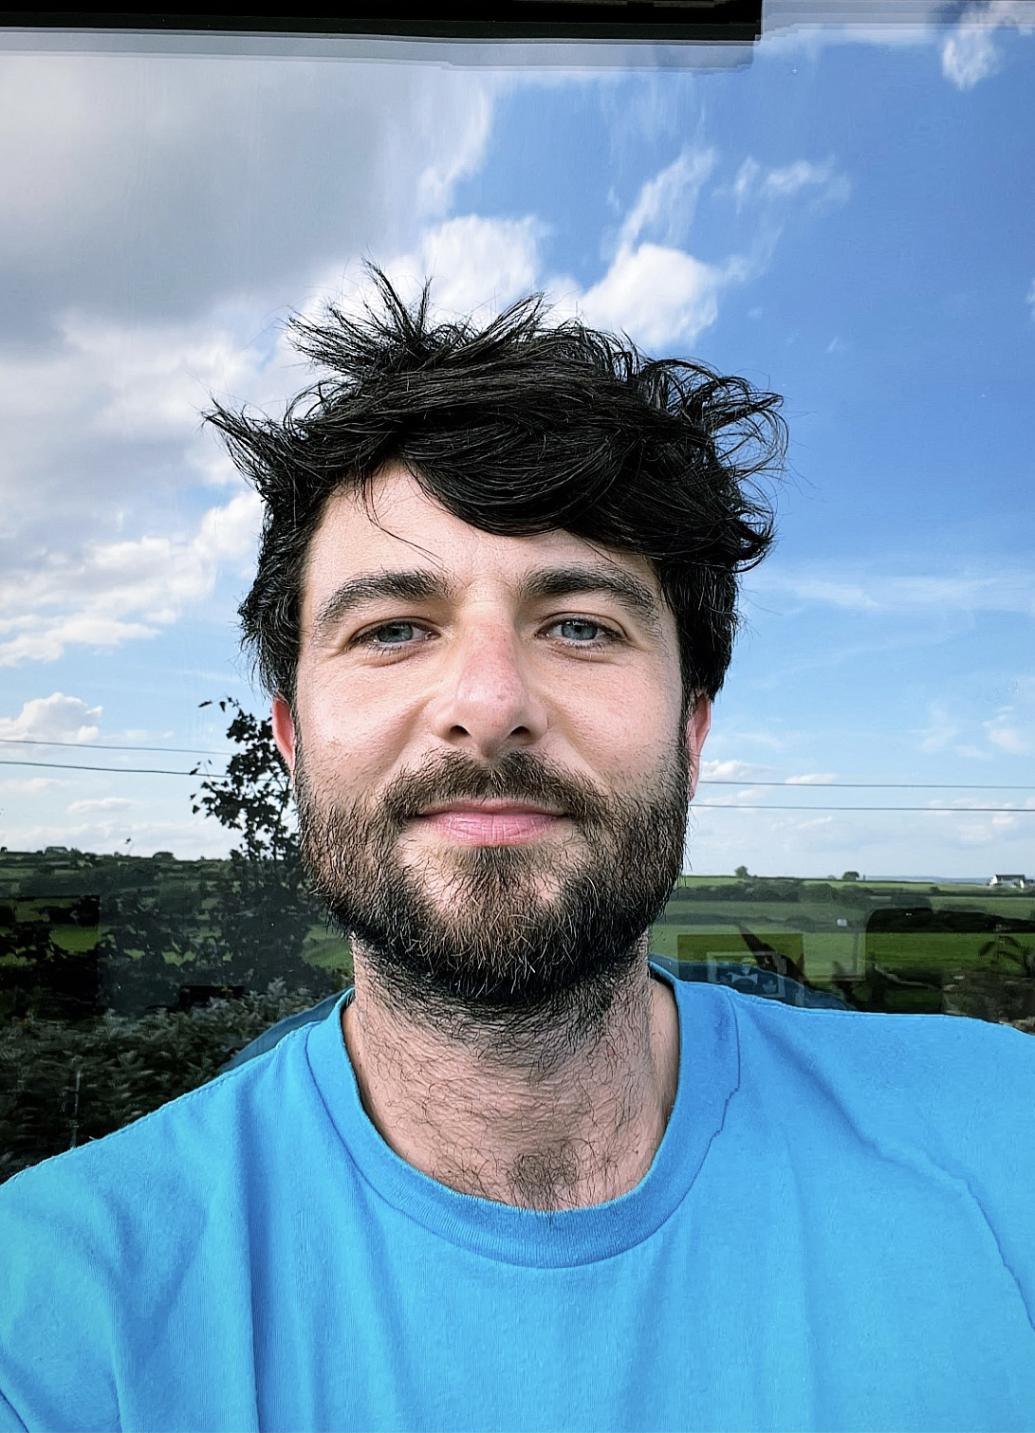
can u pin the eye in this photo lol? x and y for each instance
(371, 639)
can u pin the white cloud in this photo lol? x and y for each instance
(128, 441)
(53, 718)
(481, 265)
(1030, 299)
(951, 841)
(146, 385)
(825, 183)
(728, 770)
(154, 381)
(658, 296)
(145, 272)
(101, 804)
(469, 130)
(1008, 738)
(49, 636)
(982, 828)
(116, 188)
(111, 593)
(1010, 729)
(748, 772)
(665, 204)
(766, 739)
(28, 786)
(746, 796)
(476, 267)
(874, 591)
(941, 730)
(904, 24)
(969, 53)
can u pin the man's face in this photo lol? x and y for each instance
(486, 693)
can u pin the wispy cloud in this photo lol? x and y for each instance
(898, 24)
(1012, 728)
(822, 183)
(665, 205)
(1009, 731)
(28, 785)
(469, 126)
(944, 731)
(877, 592)
(969, 53)
(101, 804)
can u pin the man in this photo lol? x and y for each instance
(519, 1177)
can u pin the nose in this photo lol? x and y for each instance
(488, 695)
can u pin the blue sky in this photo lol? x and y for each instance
(844, 216)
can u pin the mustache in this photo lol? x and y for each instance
(513, 779)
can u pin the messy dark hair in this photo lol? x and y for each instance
(518, 428)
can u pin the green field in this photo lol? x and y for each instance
(824, 928)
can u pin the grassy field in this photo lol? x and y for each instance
(820, 925)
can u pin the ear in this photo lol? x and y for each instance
(284, 731)
(698, 725)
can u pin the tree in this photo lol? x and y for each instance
(254, 796)
(264, 908)
(741, 873)
(850, 876)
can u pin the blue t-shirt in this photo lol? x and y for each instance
(835, 1233)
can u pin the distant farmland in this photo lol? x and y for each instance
(880, 944)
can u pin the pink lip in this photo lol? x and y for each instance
(510, 827)
(496, 807)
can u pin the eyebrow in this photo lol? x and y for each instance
(419, 584)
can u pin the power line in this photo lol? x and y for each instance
(871, 785)
(697, 805)
(111, 770)
(107, 746)
(930, 810)
(705, 780)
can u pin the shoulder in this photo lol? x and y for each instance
(94, 1240)
(82, 1204)
(924, 1042)
(187, 1140)
(956, 1088)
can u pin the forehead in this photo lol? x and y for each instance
(406, 528)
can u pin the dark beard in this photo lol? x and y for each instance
(499, 961)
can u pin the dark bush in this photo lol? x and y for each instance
(63, 1084)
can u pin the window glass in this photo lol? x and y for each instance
(840, 213)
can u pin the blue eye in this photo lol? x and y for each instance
(370, 638)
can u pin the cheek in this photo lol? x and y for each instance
(350, 744)
(622, 741)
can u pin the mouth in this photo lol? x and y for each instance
(489, 808)
(490, 823)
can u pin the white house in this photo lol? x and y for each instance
(1015, 882)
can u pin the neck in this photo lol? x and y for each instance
(560, 1136)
